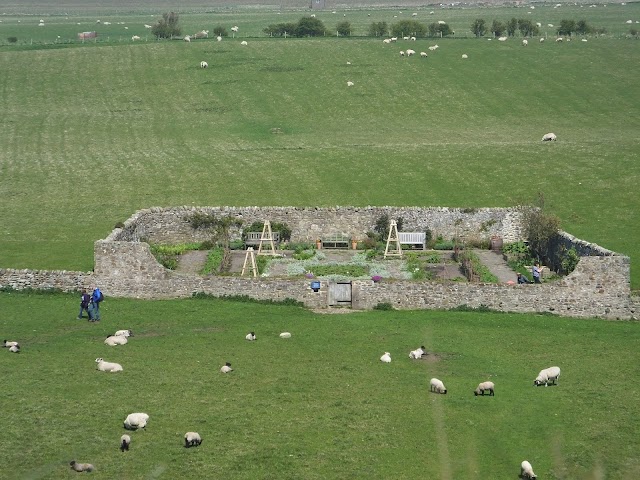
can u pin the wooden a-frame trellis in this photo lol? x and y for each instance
(250, 258)
(267, 236)
(394, 239)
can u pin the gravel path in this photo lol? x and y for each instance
(192, 261)
(496, 265)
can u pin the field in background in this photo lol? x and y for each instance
(320, 405)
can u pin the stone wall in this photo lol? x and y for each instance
(170, 225)
(125, 267)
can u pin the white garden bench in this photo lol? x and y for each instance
(253, 238)
(413, 238)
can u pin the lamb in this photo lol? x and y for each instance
(547, 375)
(502, 39)
(14, 348)
(123, 333)
(584, 40)
(464, 55)
(549, 137)
(402, 53)
(386, 358)
(234, 29)
(226, 368)
(410, 52)
(417, 353)
(192, 439)
(433, 48)
(135, 37)
(285, 335)
(135, 421)
(219, 38)
(386, 40)
(114, 340)
(251, 336)
(187, 38)
(125, 441)
(203, 64)
(437, 386)
(81, 467)
(542, 40)
(526, 470)
(423, 54)
(525, 42)
(244, 42)
(108, 366)
(7, 343)
(349, 83)
(484, 386)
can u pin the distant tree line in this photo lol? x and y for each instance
(305, 27)
(168, 26)
(528, 29)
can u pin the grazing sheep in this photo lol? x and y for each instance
(417, 353)
(108, 366)
(437, 386)
(464, 55)
(559, 39)
(114, 340)
(525, 42)
(402, 53)
(433, 48)
(386, 358)
(14, 348)
(349, 84)
(414, 14)
(81, 467)
(251, 336)
(125, 441)
(226, 368)
(547, 375)
(234, 29)
(135, 421)
(7, 344)
(394, 39)
(410, 52)
(441, 22)
(135, 37)
(148, 26)
(541, 39)
(386, 40)
(203, 64)
(526, 470)
(423, 54)
(285, 335)
(539, 25)
(348, 62)
(405, 38)
(244, 42)
(219, 38)
(192, 439)
(187, 38)
(123, 333)
(584, 40)
(484, 386)
(502, 39)
(547, 137)
(413, 39)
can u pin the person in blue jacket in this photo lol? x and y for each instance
(96, 298)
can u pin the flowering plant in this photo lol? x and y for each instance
(309, 275)
(376, 278)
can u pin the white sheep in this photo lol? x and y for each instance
(106, 23)
(8, 344)
(125, 441)
(108, 366)
(234, 29)
(114, 340)
(349, 83)
(410, 52)
(402, 53)
(550, 25)
(187, 38)
(192, 439)
(386, 358)
(413, 39)
(414, 14)
(423, 54)
(123, 333)
(525, 42)
(539, 25)
(484, 386)
(547, 375)
(526, 470)
(203, 64)
(202, 34)
(437, 386)
(584, 40)
(251, 336)
(417, 353)
(219, 38)
(464, 55)
(559, 39)
(386, 40)
(547, 137)
(394, 39)
(14, 348)
(541, 39)
(502, 39)
(148, 26)
(244, 42)
(405, 38)
(135, 421)
(135, 37)
(81, 467)
(433, 48)
(285, 335)
(441, 22)
(226, 368)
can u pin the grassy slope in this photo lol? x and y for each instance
(126, 127)
(320, 405)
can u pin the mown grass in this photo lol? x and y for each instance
(319, 405)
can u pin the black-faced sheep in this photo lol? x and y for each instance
(251, 336)
(437, 386)
(123, 333)
(14, 348)
(484, 386)
(8, 344)
(549, 137)
(125, 441)
(226, 368)
(526, 471)
(547, 375)
(192, 439)
(417, 353)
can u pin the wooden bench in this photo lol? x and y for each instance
(413, 238)
(337, 240)
(253, 238)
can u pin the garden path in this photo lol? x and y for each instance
(496, 265)
(192, 261)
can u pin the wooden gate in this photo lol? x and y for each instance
(339, 294)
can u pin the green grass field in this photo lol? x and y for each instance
(320, 405)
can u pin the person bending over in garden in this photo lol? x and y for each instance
(522, 279)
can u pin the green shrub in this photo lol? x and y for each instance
(570, 259)
(443, 245)
(304, 254)
(383, 306)
(235, 245)
(468, 258)
(220, 31)
(343, 270)
(119, 225)
(208, 245)
(289, 302)
(12, 39)
(214, 261)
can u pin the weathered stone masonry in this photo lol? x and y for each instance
(124, 266)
